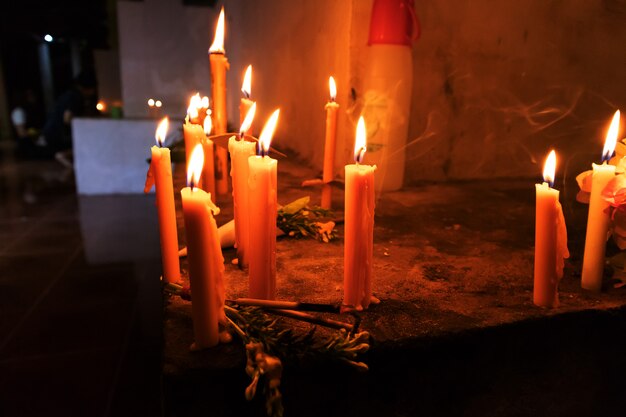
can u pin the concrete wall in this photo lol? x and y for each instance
(163, 53)
(496, 84)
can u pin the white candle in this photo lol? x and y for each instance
(206, 263)
(240, 151)
(263, 202)
(160, 175)
(598, 219)
(549, 231)
(359, 227)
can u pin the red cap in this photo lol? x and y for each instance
(393, 22)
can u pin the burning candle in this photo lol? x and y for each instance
(246, 103)
(598, 220)
(550, 239)
(263, 206)
(160, 175)
(193, 133)
(219, 65)
(359, 226)
(329, 145)
(208, 172)
(240, 151)
(206, 263)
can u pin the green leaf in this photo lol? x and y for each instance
(295, 206)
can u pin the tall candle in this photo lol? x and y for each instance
(207, 182)
(206, 263)
(240, 151)
(219, 65)
(160, 175)
(550, 239)
(246, 103)
(329, 145)
(263, 207)
(598, 219)
(359, 226)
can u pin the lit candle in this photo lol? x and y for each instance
(550, 239)
(330, 143)
(193, 132)
(246, 103)
(208, 172)
(359, 226)
(263, 206)
(206, 263)
(598, 220)
(160, 175)
(240, 151)
(219, 65)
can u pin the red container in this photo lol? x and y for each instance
(393, 22)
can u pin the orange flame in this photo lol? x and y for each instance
(611, 138)
(333, 88)
(549, 168)
(268, 131)
(196, 163)
(246, 86)
(247, 121)
(161, 131)
(218, 40)
(360, 144)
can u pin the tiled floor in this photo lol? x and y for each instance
(80, 300)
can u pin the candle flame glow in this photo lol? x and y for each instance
(196, 163)
(332, 87)
(208, 125)
(161, 131)
(247, 121)
(246, 86)
(268, 131)
(549, 168)
(158, 103)
(205, 102)
(100, 106)
(218, 40)
(611, 138)
(360, 144)
(151, 102)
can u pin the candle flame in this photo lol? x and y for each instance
(360, 144)
(247, 121)
(205, 102)
(611, 138)
(218, 40)
(196, 162)
(333, 88)
(195, 101)
(246, 86)
(208, 126)
(268, 131)
(158, 103)
(151, 102)
(549, 168)
(100, 106)
(161, 131)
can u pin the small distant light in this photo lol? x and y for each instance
(158, 103)
(48, 38)
(151, 102)
(100, 106)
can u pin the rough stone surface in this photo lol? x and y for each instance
(456, 331)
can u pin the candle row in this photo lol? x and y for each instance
(551, 234)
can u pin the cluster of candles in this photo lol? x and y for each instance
(254, 191)
(551, 235)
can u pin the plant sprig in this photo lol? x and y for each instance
(299, 220)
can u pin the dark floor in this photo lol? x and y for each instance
(80, 300)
